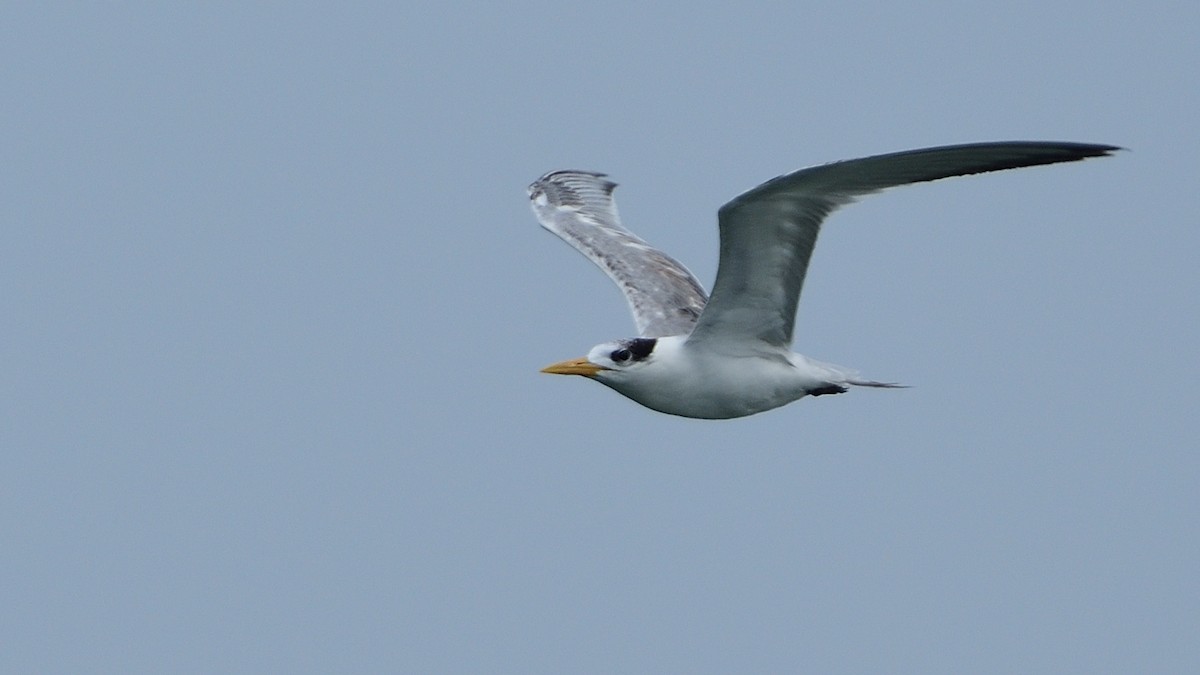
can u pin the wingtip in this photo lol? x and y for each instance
(572, 186)
(573, 176)
(1104, 149)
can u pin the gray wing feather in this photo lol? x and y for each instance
(768, 233)
(578, 206)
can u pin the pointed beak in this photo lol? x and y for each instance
(573, 367)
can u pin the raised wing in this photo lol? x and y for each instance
(768, 233)
(578, 206)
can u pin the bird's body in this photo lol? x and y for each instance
(700, 383)
(729, 355)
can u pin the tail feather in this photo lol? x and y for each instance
(841, 375)
(878, 385)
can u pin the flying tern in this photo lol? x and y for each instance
(728, 355)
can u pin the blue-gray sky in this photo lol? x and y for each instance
(275, 305)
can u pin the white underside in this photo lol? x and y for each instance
(683, 380)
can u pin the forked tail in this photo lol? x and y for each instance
(878, 385)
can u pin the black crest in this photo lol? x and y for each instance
(640, 347)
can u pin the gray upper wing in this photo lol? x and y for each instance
(768, 233)
(578, 206)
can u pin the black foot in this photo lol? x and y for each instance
(827, 389)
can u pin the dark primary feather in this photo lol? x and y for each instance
(768, 233)
(663, 296)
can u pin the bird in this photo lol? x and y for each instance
(728, 354)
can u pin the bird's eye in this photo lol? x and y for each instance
(621, 355)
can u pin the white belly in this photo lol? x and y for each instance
(721, 388)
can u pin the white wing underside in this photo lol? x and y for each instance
(767, 237)
(664, 297)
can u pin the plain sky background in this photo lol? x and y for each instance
(274, 307)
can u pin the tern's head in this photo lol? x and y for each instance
(610, 361)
